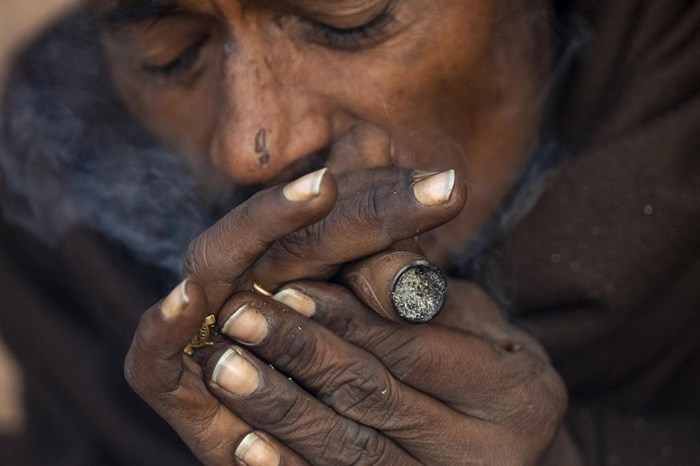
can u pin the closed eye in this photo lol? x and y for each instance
(182, 63)
(354, 38)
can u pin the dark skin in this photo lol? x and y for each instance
(467, 389)
(292, 85)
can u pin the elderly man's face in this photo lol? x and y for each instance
(263, 90)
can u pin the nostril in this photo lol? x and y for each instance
(261, 149)
(317, 160)
(261, 160)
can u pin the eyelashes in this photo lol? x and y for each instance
(346, 39)
(182, 63)
(355, 38)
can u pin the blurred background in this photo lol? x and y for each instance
(19, 21)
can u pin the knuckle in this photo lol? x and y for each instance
(359, 445)
(316, 243)
(340, 441)
(298, 244)
(284, 413)
(342, 313)
(369, 209)
(378, 208)
(205, 263)
(406, 355)
(298, 352)
(348, 327)
(361, 393)
(211, 254)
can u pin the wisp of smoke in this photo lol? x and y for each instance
(72, 157)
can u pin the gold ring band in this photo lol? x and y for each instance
(261, 290)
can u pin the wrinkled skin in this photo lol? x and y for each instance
(466, 389)
(447, 84)
(257, 93)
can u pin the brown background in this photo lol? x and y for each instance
(19, 19)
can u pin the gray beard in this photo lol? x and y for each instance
(72, 157)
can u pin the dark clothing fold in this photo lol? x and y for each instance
(605, 271)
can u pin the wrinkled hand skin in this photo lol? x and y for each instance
(343, 386)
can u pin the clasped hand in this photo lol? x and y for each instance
(311, 375)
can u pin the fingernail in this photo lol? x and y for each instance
(256, 451)
(435, 189)
(297, 300)
(246, 325)
(305, 188)
(235, 374)
(176, 302)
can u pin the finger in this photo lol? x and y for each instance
(354, 182)
(173, 385)
(362, 224)
(271, 402)
(346, 378)
(154, 363)
(398, 285)
(493, 370)
(220, 257)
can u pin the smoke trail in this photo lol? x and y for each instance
(71, 156)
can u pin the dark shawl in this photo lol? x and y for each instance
(605, 270)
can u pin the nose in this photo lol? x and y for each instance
(269, 121)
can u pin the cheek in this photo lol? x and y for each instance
(456, 104)
(183, 116)
(429, 88)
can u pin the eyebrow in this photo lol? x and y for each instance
(132, 12)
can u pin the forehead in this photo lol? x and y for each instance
(124, 8)
(117, 11)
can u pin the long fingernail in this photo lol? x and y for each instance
(297, 300)
(235, 374)
(435, 189)
(254, 450)
(305, 188)
(176, 302)
(246, 325)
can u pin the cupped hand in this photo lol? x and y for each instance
(337, 384)
(220, 264)
(376, 208)
(220, 260)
